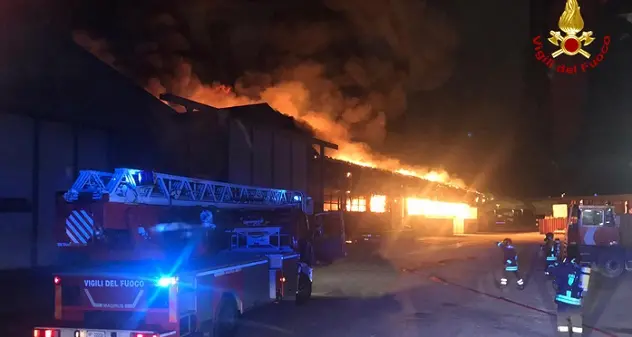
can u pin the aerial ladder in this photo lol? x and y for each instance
(138, 187)
(152, 188)
(102, 276)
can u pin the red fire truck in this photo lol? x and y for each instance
(150, 254)
(603, 237)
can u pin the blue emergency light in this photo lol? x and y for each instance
(167, 281)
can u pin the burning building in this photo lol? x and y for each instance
(77, 113)
(380, 200)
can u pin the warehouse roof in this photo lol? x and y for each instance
(49, 76)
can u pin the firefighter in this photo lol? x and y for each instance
(510, 263)
(570, 283)
(557, 248)
(550, 255)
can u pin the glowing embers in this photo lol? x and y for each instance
(439, 209)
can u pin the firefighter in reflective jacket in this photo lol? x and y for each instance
(550, 253)
(510, 263)
(571, 282)
(557, 248)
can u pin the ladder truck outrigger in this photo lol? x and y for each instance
(150, 254)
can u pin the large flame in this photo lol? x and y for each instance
(439, 209)
(415, 207)
(291, 99)
(571, 21)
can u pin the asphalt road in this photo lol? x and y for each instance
(427, 287)
(607, 304)
(430, 287)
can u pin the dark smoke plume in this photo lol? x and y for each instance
(345, 67)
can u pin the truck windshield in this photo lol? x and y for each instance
(592, 217)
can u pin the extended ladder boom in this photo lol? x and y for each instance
(137, 187)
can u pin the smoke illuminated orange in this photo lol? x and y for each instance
(291, 98)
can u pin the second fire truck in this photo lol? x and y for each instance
(603, 237)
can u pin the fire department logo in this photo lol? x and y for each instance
(571, 23)
(571, 39)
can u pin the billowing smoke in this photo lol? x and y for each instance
(345, 76)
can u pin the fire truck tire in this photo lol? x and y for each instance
(611, 266)
(304, 292)
(227, 319)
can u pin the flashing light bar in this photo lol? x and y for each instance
(165, 282)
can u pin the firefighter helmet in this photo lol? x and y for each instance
(507, 241)
(549, 236)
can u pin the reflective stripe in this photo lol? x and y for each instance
(511, 268)
(520, 281)
(551, 258)
(577, 330)
(568, 300)
(562, 328)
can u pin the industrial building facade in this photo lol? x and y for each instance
(78, 113)
(379, 200)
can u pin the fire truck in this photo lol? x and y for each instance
(603, 237)
(150, 254)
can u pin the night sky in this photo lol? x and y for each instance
(456, 82)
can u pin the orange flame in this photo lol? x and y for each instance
(439, 209)
(292, 99)
(288, 99)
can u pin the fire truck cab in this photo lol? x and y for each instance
(151, 254)
(603, 237)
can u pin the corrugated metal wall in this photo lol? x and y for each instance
(39, 160)
(16, 155)
(57, 151)
(550, 225)
(263, 157)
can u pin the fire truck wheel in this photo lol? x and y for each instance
(304, 292)
(227, 318)
(611, 267)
